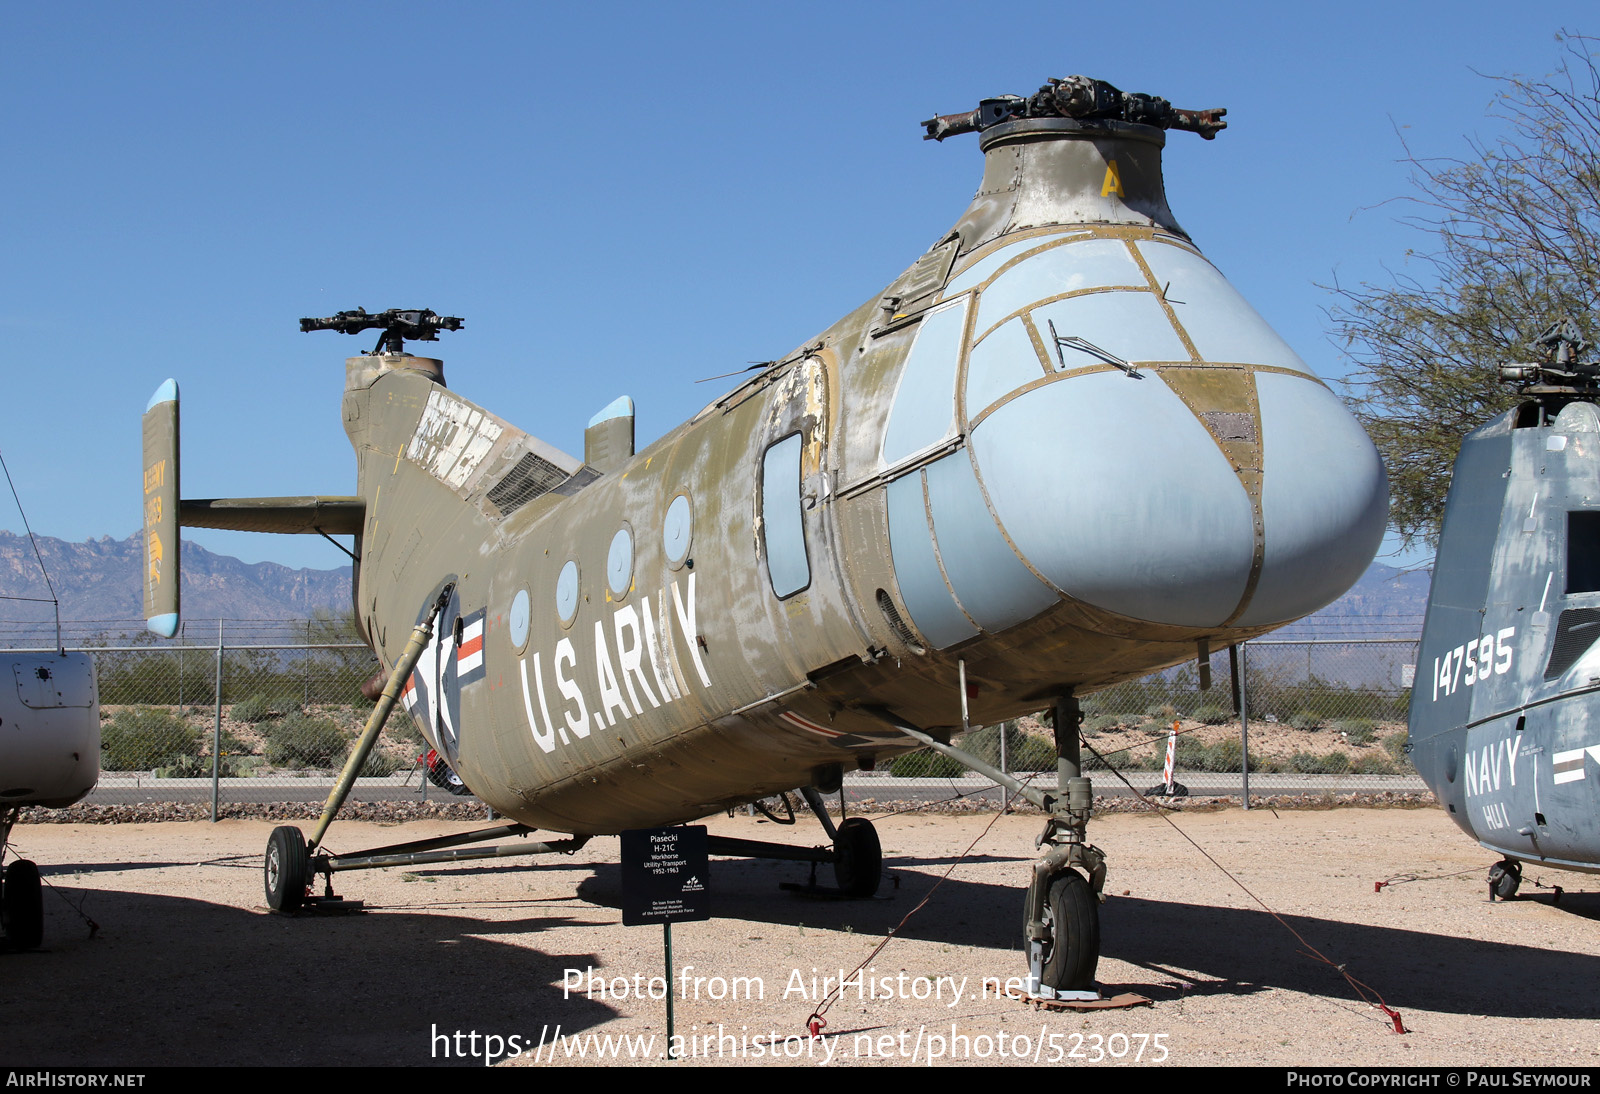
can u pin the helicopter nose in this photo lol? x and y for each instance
(1116, 493)
(1125, 495)
(1154, 507)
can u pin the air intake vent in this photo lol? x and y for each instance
(891, 615)
(1576, 631)
(531, 477)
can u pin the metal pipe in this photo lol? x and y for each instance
(421, 635)
(820, 808)
(439, 842)
(1244, 725)
(216, 735)
(967, 759)
(423, 858)
(749, 848)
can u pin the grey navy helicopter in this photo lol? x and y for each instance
(1508, 675)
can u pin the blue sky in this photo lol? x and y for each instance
(618, 198)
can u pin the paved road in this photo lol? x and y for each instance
(123, 790)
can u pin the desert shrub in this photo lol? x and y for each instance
(380, 765)
(400, 728)
(1033, 754)
(1024, 751)
(1120, 760)
(1161, 712)
(1308, 720)
(233, 745)
(1358, 731)
(1395, 745)
(1225, 755)
(300, 740)
(257, 708)
(1329, 763)
(1192, 754)
(1373, 763)
(925, 764)
(1101, 723)
(1211, 715)
(144, 738)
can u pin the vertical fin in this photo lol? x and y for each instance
(608, 442)
(161, 511)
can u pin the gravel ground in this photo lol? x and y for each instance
(188, 967)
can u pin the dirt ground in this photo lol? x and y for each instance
(187, 967)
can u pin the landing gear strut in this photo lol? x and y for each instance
(1061, 921)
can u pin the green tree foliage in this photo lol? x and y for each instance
(1513, 232)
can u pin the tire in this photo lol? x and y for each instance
(1505, 877)
(22, 906)
(441, 775)
(1074, 923)
(287, 869)
(857, 858)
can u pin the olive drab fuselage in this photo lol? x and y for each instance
(1059, 449)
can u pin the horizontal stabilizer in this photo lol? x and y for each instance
(334, 516)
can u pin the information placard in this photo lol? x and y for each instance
(665, 875)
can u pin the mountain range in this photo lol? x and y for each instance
(98, 582)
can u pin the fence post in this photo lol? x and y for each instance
(1244, 722)
(216, 734)
(1005, 766)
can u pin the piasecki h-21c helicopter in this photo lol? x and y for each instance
(1509, 671)
(1057, 452)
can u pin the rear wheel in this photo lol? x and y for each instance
(22, 905)
(1072, 916)
(1505, 877)
(857, 858)
(287, 869)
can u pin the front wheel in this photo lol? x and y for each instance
(22, 905)
(1072, 917)
(287, 870)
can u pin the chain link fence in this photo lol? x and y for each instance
(1326, 715)
(250, 712)
(242, 711)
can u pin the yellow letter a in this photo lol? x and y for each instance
(1113, 183)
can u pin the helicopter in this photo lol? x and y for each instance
(1057, 452)
(1508, 669)
(49, 756)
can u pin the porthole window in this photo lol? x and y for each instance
(677, 531)
(518, 620)
(619, 563)
(567, 593)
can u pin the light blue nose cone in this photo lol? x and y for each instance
(1114, 491)
(1324, 500)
